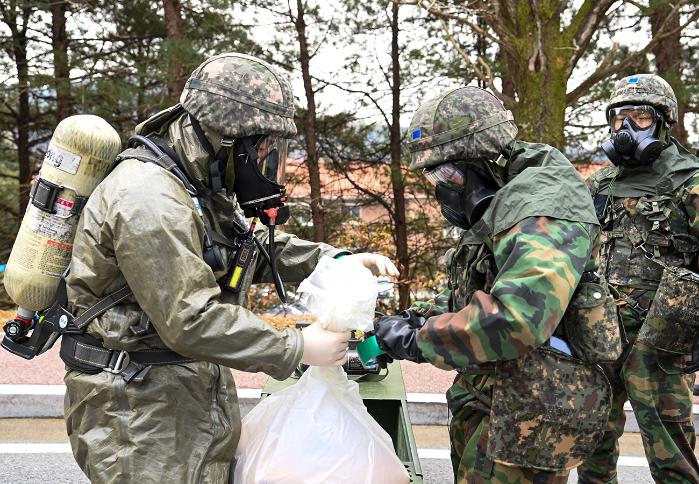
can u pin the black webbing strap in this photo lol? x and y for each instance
(217, 167)
(101, 306)
(44, 194)
(203, 140)
(477, 392)
(87, 354)
(78, 205)
(165, 157)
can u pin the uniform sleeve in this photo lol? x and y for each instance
(158, 246)
(296, 258)
(691, 204)
(540, 262)
(435, 306)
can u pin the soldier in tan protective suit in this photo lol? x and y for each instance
(149, 394)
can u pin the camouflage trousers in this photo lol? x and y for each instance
(468, 433)
(661, 397)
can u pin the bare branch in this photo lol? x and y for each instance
(486, 76)
(583, 27)
(357, 91)
(504, 38)
(605, 71)
(377, 197)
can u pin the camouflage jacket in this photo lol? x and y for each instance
(663, 226)
(507, 296)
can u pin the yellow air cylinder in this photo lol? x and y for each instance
(80, 152)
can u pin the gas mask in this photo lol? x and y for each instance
(464, 191)
(259, 163)
(254, 167)
(635, 131)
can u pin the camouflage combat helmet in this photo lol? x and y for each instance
(239, 95)
(464, 123)
(645, 89)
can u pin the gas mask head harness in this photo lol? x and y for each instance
(638, 134)
(464, 190)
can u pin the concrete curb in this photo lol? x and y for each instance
(46, 401)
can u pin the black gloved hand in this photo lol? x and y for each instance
(397, 336)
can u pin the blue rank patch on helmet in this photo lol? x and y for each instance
(633, 80)
(416, 134)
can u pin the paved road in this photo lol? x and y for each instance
(61, 469)
(34, 451)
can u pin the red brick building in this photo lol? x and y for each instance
(349, 191)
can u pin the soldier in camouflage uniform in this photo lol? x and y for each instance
(648, 204)
(130, 414)
(522, 410)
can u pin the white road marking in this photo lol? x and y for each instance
(29, 448)
(32, 389)
(433, 453)
(444, 454)
(7, 389)
(631, 461)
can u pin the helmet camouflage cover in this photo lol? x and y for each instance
(645, 89)
(238, 95)
(464, 123)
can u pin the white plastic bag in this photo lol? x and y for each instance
(342, 294)
(318, 430)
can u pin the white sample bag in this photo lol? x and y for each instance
(318, 430)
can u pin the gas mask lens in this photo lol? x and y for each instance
(445, 173)
(271, 158)
(642, 116)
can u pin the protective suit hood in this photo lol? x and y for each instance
(175, 126)
(671, 170)
(534, 168)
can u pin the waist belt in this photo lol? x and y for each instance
(86, 353)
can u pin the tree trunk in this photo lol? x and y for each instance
(309, 128)
(539, 73)
(173, 30)
(61, 69)
(399, 218)
(668, 60)
(508, 85)
(12, 13)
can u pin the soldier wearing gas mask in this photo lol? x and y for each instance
(527, 318)
(648, 205)
(163, 244)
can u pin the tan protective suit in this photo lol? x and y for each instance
(182, 422)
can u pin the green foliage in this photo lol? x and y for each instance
(120, 60)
